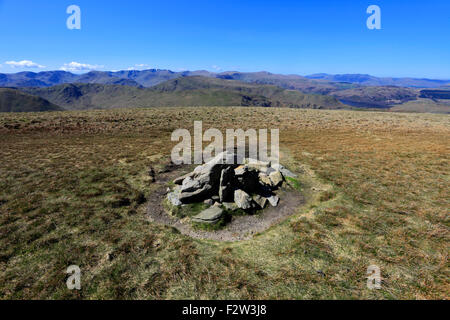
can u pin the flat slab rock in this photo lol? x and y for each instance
(209, 216)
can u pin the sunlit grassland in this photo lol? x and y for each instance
(74, 185)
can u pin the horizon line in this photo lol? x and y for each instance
(228, 71)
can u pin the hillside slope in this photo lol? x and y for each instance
(368, 80)
(291, 82)
(186, 91)
(13, 100)
(424, 105)
(375, 97)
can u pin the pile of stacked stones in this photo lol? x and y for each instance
(230, 187)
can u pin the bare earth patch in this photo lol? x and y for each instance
(240, 228)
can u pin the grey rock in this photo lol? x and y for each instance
(209, 202)
(210, 216)
(260, 201)
(277, 166)
(265, 179)
(174, 197)
(261, 166)
(288, 173)
(226, 187)
(231, 206)
(197, 195)
(273, 200)
(213, 164)
(190, 185)
(204, 181)
(283, 170)
(269, 170)
(242, 199)
(240, 171)
(180, 180)
(277, 178)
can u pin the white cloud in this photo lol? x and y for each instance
(140, 66)
(76, 66)
(24, 64)
(217, 68)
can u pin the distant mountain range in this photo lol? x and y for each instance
(146, 78)
(317, 83)
(186, 91)
(154, 87)
(368, 80)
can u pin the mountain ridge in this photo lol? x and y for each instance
(151, 77)
(186, 91)
(14, 100)
(369, 80)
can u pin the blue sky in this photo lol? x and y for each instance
(299, 37)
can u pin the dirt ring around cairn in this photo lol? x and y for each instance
(238, 229)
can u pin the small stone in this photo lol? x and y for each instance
(209, 202)
(240, 171)
(231, 206)
(268, 171)
(277, 178)
(210, 216)
(265, 179)
(242, 199)
(152, 174)
(273, 200)
(277, 166)
(260, 201)
(174, 198)
(285, 172)
(288, 173)
(180, 180)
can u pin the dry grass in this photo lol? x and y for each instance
(73, 184)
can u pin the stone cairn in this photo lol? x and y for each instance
(229, 187)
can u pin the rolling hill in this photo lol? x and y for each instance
(186, 91)
(13, 100)
(424, 105)
(368, 80)
(291, 82)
